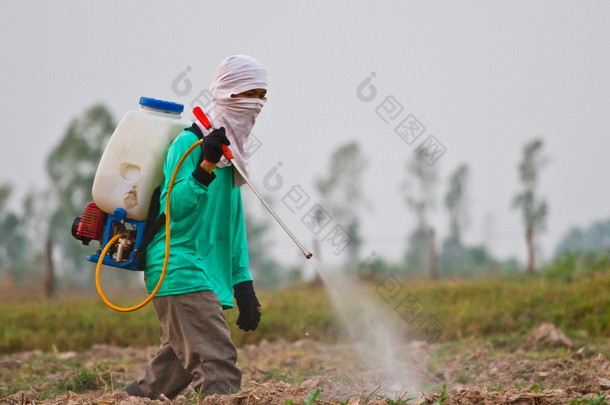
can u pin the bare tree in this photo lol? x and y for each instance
(341, 192)
(420, 197)
(456, 204)
(49, 279)
(533, 208)
(5, 192)
(13, 245)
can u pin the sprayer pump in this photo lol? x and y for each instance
(128, 253)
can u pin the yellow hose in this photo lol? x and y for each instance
(98, 284)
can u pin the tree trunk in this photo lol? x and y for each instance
(49, 282)
(531, 258)
(432, 250)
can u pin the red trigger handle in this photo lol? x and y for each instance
(202, 118)
(226, 151)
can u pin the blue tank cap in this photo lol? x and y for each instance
(161, 104)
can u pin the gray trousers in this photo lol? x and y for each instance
(195, 347)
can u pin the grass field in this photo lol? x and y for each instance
(493, 308)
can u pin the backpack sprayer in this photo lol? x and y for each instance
(128, 177)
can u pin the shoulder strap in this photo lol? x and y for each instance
(154, 222)
(153, 225)
(196, 130)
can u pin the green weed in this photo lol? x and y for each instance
(600, 400)
(290, 376)
(367, 397)
(443, 397)
(389, 401)
(310, 400)
(464, 378)
(194, 397)
(86, 379)
(398, 400)
(47, 376)
(312, 397)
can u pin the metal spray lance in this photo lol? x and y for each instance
(229, 155)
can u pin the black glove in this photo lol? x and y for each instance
(212, 145)
(249, 307)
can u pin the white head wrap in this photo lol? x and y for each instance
(235, 75)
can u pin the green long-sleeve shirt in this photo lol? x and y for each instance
(208, 249)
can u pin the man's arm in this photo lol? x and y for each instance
(191, 182)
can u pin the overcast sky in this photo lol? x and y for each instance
(482, 77)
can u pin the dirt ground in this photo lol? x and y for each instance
(531, 371)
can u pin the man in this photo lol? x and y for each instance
(208, 264)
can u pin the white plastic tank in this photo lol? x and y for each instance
(132, 163)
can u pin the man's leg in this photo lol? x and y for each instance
(201, 339)
(164, 374)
